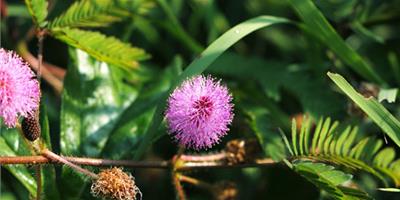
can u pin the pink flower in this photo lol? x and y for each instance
(19, 89)
(199, 112)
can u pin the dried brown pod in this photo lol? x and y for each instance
(226, 191)
(242, 151)
(31, 127)
(115, 184)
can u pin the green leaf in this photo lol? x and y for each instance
(133, 122)
(327, 178)
(274, 76)
(38, 11)
(387, 94)
(360, 29)
(90, 107)
(19, 171)
(101, 47)
(389, 189)
(376, 111)
(294, 137)
(270, 140)
(86, 13)
(344, 150)
(209, 55)
(317, 24)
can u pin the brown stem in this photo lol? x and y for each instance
(125, 163)
(195, 182)
(216, 165)
(38, 182)
(178, 187)
(204, 158)
(52, 156)
(34, 160)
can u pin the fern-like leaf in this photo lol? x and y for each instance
(89, 13)
(38, 11)
(343, 149)
(101, 47)
(329, 179)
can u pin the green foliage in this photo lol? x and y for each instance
(327, 178)
(38, 11)
(88, 13)
(19, 171)
(326, 144)
(271, 142)
(274, 76)
(101, 47)
(320, 28)
(90, 107)
(376, 111)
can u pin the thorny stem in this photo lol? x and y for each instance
(36, 160)
(218, 164)
(204, 158)
(178, 187)
(52, 156)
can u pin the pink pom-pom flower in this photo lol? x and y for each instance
(199, 112)
(19, 89)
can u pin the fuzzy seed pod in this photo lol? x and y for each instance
(226, 191)
(31, 127)
(115, 184)
(241, 151)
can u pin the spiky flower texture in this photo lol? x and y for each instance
(199, 112)
(19, 89)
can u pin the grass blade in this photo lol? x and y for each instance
(376, 111)
(317, 24)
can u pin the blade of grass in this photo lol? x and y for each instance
(317, 24)
(178, 29)
(376, 111)
(208, 56)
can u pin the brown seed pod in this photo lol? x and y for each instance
(226, 191)
(115, 184)
(242, 151)
(31, 127)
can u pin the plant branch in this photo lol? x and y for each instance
(195, 182)
(55, 157)
(204, 158)
(35, 160)
(178, 187)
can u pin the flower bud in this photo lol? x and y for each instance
(31, 127)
